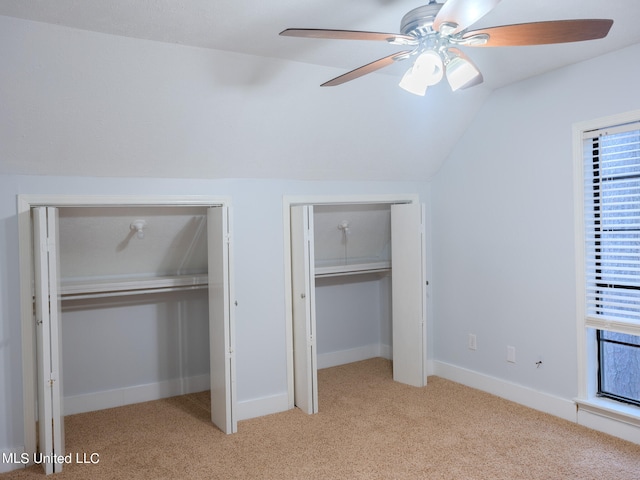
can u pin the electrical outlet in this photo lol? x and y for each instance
(511, 354)
(473, 345)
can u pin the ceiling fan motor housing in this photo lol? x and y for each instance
(419, 21)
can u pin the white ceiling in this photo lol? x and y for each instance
(252, 27)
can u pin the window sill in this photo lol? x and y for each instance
(604, 407)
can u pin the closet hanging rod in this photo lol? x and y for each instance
(359, 272)
(133, 283)
(352, 269)
(122, 293)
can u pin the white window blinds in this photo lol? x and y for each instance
(612, 227)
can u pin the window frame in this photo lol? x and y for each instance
(587, 341)
(602, 391)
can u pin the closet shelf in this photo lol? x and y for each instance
(70, 290)
(354, 269)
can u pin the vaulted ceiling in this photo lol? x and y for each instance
(251, 27)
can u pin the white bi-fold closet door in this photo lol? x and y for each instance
(47, 295)
(48, 339)
(408, 298)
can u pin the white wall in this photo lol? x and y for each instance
(117, 343)
(174, 242)
(503, 224)
(259, 271)
(351, 321)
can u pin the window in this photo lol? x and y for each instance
(611, 173)
(619, 372)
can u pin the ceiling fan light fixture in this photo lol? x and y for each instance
(427, 70)
(413, 84)
(461, 73)
(429, 65)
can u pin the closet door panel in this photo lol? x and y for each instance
(304, 316)
(48, 339)
(220, 335)
(408, 294)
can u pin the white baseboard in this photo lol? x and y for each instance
(526, 396)
(611, 426)
(155, 391)
(610, 417)
(594, 418)
(10, 459)
(136, 394)
(262, 406)
(342, 357)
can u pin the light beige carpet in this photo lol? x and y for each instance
(369, 427)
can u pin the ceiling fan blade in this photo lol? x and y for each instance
(463, 13)
(368, 68)
(349, 35)
(542, 33)
(478, 79)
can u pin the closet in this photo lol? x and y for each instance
(358, 287)
(130, 301)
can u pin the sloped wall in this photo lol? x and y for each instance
(98, 242)
(367, 237)
(83, 103)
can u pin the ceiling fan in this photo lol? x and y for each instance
(436, 30)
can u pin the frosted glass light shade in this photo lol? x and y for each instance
(427, 70)
(461, 73)
(412, 83)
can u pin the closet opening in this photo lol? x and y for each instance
(131, 302)
(357, 289)
(134, 306)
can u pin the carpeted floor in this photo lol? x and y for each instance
(368, 427)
